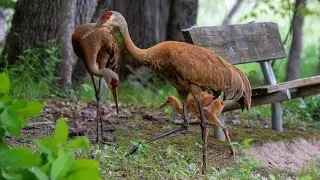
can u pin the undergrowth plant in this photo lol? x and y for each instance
(33, 72)
(55, 160)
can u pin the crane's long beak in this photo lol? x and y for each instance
(98, 24)
(88, 33)
(115, 97)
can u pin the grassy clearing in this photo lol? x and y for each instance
(179, 157)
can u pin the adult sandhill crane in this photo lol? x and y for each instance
(211, 106)
(189, 68)
(99, 52)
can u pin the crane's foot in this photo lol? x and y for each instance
(104, 140)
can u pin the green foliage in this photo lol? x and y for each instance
(33, 72)
(130, 94)
(55, 160)
(12, 111)
(7, 3)
(311, 171)
(302, 113)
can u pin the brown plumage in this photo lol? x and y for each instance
(99, 52)
(212, 108)
(189, 68)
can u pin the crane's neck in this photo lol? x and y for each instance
(141, 55)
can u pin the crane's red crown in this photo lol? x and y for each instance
(114, 83)
(106, 15)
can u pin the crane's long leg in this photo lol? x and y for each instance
(196, 94)
(99, 118)
(184, 127)
(226, 133)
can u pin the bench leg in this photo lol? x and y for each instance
(276, 110)
(218, 132)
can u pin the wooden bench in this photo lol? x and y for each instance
(254, 42)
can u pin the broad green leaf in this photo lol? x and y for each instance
(27, 108)
(39, 173)
(49, 147)
(3, 146)
(61, 165)
(11, 122)
(2, 133)
(17, 174)
(19, 157)
(46, 168)
(84, 174)
(80, 142)
(4, 99)
(61, 131)
(85, 164)
(5, 83)
(11, 175)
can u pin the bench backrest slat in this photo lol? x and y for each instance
(241, 43)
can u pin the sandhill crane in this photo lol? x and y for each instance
(189, 68)
(99, 52)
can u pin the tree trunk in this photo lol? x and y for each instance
(41, 23)
(35, 23)
(296, 44)
(2, 25)
(232, 12)
(64, 68)
(183, 14)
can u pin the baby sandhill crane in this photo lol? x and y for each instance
(99, 52)
(189, 68)
(212, 108)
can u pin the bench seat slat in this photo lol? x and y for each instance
(286, 85)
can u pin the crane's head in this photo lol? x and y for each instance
(109, 19)
(170, 101)
(112, 80)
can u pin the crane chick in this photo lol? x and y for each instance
(212, 107)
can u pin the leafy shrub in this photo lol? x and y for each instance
(33, 72)
(302, 112)
(55, 160)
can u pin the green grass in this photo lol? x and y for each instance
(130, 94)
(31, 77)
(179, 157)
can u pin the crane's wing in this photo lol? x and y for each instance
(205, 68)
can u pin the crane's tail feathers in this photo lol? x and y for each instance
(245, 100)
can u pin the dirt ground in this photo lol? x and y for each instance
(142, 123)
(286, 156)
